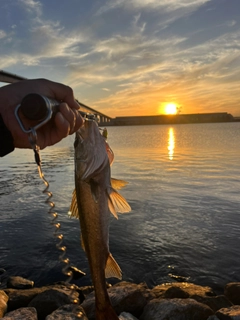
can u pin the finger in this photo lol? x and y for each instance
(64, 93)
(62, 128)
(69, 115)
(79, 121)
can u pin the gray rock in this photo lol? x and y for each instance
(3, 278)
(21, 314)
(175, 309)
(20, 298)
(68, 312)
(214, 317)
(215, 303)
(147, 293)
(128, 297)
(184, 290)
(232, 313)
(19, 283)
(232, 292)
(126, 316)
(50, 300)
(3, 303)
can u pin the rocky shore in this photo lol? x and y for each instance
(20, 300)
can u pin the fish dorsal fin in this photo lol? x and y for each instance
(112, 269)
(116, 202)
(74, 213)
(118, 184)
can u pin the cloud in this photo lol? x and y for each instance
(123, 57)
(2, 34)
(32, 6)
(131, 53)
(231, 23)
(163, 5)
(202, 76)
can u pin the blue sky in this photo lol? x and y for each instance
(129, 57)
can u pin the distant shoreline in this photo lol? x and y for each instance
(171, 119)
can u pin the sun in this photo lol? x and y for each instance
(171, 108)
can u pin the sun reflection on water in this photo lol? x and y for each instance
(171, 143)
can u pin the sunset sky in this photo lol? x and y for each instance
(129, 57)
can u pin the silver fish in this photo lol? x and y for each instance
(94, 199)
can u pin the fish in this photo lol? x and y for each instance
(94, 199)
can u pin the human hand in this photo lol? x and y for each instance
(66, 121)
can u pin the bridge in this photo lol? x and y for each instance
(103, 119)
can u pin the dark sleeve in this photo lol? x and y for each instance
(6, 139)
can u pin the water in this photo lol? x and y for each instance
(184, 190)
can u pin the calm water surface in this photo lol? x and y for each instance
(184, 190)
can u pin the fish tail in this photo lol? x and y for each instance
(107, 314)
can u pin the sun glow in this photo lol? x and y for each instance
(171, 108)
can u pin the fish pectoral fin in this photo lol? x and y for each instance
(73, 210)
(94, 190)
(117, 203)
(112, 269)
(118, 184)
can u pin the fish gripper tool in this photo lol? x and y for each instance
(41, 109)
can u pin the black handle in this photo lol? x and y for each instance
(37, 107)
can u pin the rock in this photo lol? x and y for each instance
(172, 301)
(3, 303)
(214, 317)
(50, 300)
(19, 283)
(21, 314)
(215, 303)
(232, 313)
(3, 278)
(183, 288)
(19, 298)
(128, 297)
(68, 312)
(175, 292)
(232, 292)
(141, 286)
(126, 316)
(175, 309)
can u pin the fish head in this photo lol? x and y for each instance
(90, 150)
